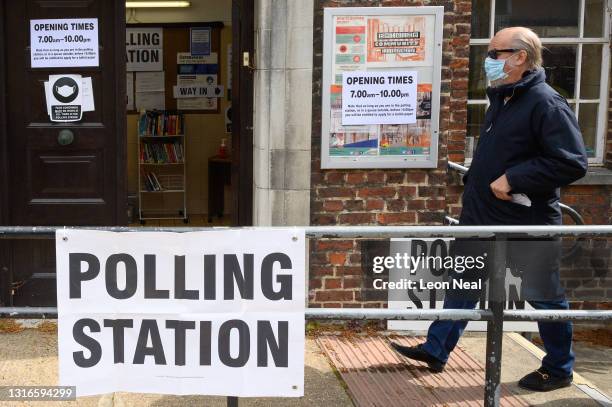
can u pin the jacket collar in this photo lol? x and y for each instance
(529, 79)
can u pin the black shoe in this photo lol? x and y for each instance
(542, 380)
(418, 353)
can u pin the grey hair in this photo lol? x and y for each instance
(529, 41)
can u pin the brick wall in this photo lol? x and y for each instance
(585, 271)
(588, 277)
(594, 202)
(383, 197)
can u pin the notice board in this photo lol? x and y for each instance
(381, 87)
(176, 40)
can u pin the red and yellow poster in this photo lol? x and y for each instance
(394, 40)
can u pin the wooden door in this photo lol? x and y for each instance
(47, 183)
(243, 26)
(82, 183)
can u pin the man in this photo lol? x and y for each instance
(529, 144)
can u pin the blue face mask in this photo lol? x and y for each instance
(494, 69)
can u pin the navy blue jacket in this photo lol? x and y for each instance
(535, 140)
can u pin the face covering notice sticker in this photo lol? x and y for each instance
(68, 96)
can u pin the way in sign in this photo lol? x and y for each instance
(194, 90)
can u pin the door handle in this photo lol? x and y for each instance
(65, 137)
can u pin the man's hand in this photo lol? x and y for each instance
(500, 188)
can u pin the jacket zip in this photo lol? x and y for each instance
(503, 107)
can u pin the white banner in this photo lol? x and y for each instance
(211, 313)
(69, 42)
(379, 97)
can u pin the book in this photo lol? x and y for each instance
(160, 123)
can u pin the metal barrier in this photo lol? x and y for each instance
(458, 167)
(495, 315)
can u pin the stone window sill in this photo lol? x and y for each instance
(596, 176)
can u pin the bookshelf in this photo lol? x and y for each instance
(162, 173)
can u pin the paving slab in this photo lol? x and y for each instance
(594, 363)
(29, 357)
(517, 361)
(376, 375)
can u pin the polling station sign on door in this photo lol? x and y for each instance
(381, 87)
(211, 312)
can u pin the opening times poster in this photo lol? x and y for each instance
(398, 40)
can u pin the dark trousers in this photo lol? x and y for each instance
(443, 336)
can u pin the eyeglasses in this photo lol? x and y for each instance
(493, 53)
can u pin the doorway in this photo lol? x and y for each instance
(212, 184)
(86, 182)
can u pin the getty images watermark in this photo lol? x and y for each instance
(543, 269)
(424, 266)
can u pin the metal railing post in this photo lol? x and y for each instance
(495, 326)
